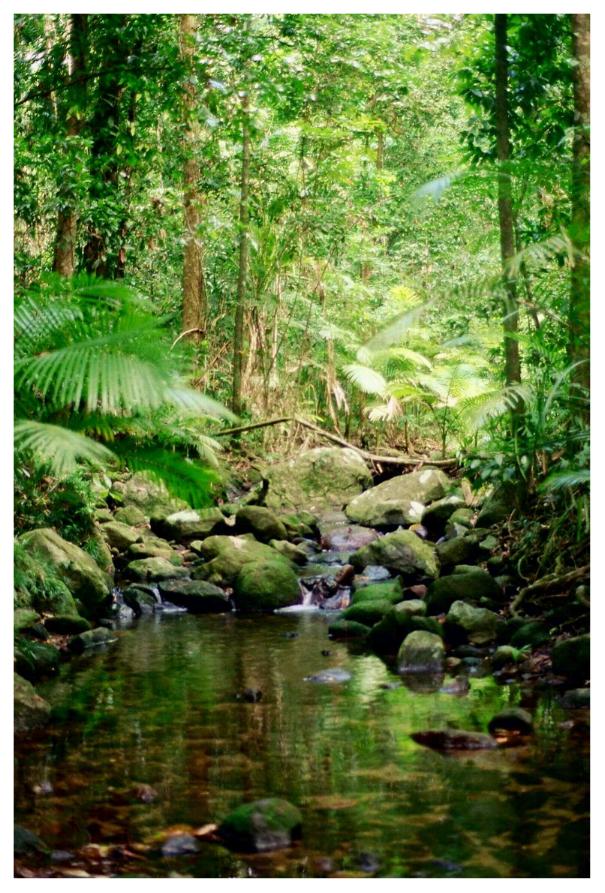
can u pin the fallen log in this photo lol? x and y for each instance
(404, 460)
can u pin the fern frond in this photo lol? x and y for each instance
(183, 478)
(61, 448)
(366, 379)
(565, 480)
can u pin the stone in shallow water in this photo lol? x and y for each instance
(421, 652)
(513, 721)
(179, 845)
(401, 552)
(454, 739)
(336, 674)
(347, 629)
(263, 825)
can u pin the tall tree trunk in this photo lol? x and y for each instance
(67, 221)
(195, 311)
(505, 207)
(579, 304)
(238, 335)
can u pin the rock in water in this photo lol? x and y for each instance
(322, 478)
(466, 623)
(263, 825)
(262, 522)
(469, 587)
(30, 710)
(510, 724)
(401, 552)
(266, 585)
(336, 674)
(421, 652)
(454, 739)
(400, 500)
(198, 596)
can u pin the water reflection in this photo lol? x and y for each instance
(159, 708)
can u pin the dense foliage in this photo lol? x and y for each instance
(319, 193)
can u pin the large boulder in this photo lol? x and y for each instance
(421, 652)
(188, 524)
(322, 478)
(263, 825)
(465, 623)
(471, 587)
(400, 500)
(262, 522)
(401, 552)
(266, 585)
(339, 535)
(30, 710)
(226, 555)
(75, 567)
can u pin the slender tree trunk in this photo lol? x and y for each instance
(238, 335)
(195, 312)
(579, 304)
(505, 206)
(67, 221)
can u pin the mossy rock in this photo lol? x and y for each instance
(505, 655)
(347, 629)
(263, 825)
(75, 567)
(400, 500)
(34, 660)
(289, 551)
(144, 569)
(131, 515)
(30, 710)
(152, 547)
(226, 555)
(321, 478)
(401, 552)
(66, 625)
(368, 612)
(23, 618)
(421, 652)
(189, 524)
(459, 550)
(150, 497)
(387, 635)
(119, 536)
(571, 658)
(266, 585)
(471, 587)
(390, 590)
(198, 596)
(262, 522)
(437, 514)
(92, 638)
(532, 633)
(466, 623)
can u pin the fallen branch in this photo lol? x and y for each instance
(370, 457)
(547, 584)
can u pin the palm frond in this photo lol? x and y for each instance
(565, 480)
(366, 379)
(477, 410)
(184, 478)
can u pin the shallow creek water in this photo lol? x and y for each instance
(159, 707)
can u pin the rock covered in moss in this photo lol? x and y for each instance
(119, 536)
(34, 660)
(401, 552)
(289, 551)
(198, 596)
(466, 623)
(387, 635)
(225, 556)
(91, 638)
(263, 825)
(75, 567)
(571, 658)
(24, 617)
(150, 497)
(321, 478)
(189, 524)
(400, 500)
(347, 629)
(437, 514)
(266, 585)
(66, 624)
(131, 515)
(152, 547)
(368, 612)
(143, 569)
(389, 590)
(468, 587)
(260, 521)
(421, 652)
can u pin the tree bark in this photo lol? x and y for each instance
(505, 206)
(194, 316)
(238, 335)
(67, 222)
(579, 304)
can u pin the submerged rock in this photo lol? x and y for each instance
(400, 500)
(421, 652)
(263, 825)
(401, 552)
(30, 710)
(321, 478)
(454, 739)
